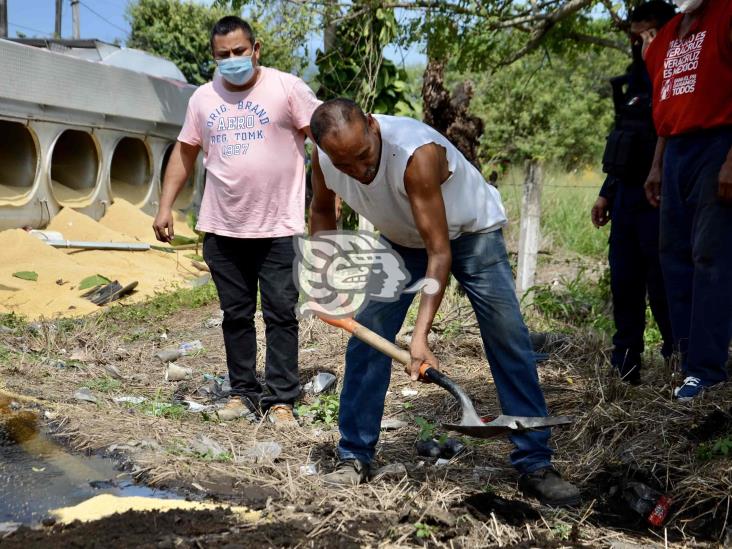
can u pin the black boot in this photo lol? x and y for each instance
(549, 488)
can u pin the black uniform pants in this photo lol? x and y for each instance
(238, 266)
(635, 271)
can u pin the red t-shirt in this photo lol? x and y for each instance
(692, 76)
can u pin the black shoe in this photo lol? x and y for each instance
(348, 472)
(549, 488)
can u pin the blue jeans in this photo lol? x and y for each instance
(696, 251)
(480, 264)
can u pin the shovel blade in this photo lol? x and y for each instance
(506, 424)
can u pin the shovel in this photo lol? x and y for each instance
(470, 424)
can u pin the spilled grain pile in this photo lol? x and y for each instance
(59, 271)
(126, 218)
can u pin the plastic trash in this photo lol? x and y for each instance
(450, 448)
(129, 399)
(174, 372)
(190, 347)
(393, 470)
(309, 470)
(392, 424)
(263, 452)
(196, 407)
(214, 321)
(409, 392)
(647, 502)
(322, 382)
(428, 448)
(84, 394)
(168, 355)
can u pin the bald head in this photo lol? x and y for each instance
(335, 116)
(350, 138)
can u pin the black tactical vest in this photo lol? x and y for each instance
(632, 143)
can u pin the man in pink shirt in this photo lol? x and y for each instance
(251, 122)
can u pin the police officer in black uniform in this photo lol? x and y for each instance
(634, 262)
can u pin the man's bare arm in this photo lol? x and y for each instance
(653, 181)
(180, 168)
(423, 178)
(322, 206)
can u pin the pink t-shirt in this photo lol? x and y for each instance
(254, 154)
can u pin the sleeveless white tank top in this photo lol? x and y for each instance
(471, 204)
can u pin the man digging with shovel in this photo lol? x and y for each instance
(435, 210)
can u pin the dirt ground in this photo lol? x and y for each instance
(622, 434)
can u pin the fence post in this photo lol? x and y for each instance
(530, 233)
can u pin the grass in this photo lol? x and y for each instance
(580, 303)
(721, 447)
(565, 209)
(104, 385)
(162, 305)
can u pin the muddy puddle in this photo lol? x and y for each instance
(38, 475)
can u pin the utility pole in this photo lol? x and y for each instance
(57, 29)
(75, 18)
(3, 18)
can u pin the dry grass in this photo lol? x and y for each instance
(617, 426)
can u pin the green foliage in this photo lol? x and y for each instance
(553, 108)
(104, 384)
(13, 321)
(176, 30)
(566, 201)
(579, 302)
(721, 447)
(355, 66)
(162, 305)
(423, 531)
(26, 275)
(323, 410)
(562, 530)
(428, 430)
(93, 281)
(157, 408)
(180, 31)
(222, 457)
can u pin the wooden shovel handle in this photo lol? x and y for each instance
(373, 339)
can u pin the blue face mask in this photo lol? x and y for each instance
(237, 70)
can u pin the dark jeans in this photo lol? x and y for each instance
(635, 270)
(480, 264)
(696, 251)
(237, 266)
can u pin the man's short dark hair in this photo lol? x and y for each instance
(228, 24)
(655, 10)
(334, 114)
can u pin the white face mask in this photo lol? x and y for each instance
(687, 6)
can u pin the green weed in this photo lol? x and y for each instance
(12, 321)
(223, 457)
(562, 530)
(423, 531)
(323, 410)
(162, 305)
(721, 447)
(104, 384)
(579, 302)
(428, 430)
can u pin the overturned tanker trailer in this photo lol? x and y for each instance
(77, 133)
